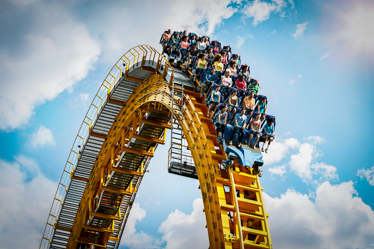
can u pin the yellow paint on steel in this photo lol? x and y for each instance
(265, 214)
(89, 119)
(137, 60)
(133, 65)
(89, 116)
(102, 100)
(120, 70)
(155, 91)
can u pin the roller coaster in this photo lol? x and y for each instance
(142, 97)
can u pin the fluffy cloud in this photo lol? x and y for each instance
(58, 47)
(55, 54)
(261, 10)
(211, 12)
(368, 174)
(292, 3)
(279, 149)
(356, 32)
(327, 171)
(301, 161)
(42, 137)
(301, 164)
(26, 203)
(240, 41)
(337, 219)
(194, 16)
(83, 97)
(137, 240)
(278, 170)
(186, 231)
(179, 230)
(315, 139)
(300, 29)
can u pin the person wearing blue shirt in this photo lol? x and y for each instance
(262, 106)
(268, 135)
(240, 123)
(208, 78)
(174, 54)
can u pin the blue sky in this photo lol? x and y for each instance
(314, 62)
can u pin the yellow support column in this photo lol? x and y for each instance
(238, 221)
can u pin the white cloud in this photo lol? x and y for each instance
(315, 139)
(337, 219)
(26, 203)
(368, 174)
(137, 240)
(42, 137)
(240, 41)
(357, 32)
(292, 143)
(328, 171)
(52, 55)
(194, 16)
(301, 164)
(186, 231)
(83, 97)
(58, 55)
(261, 10)
(300, 29)
(177, 230)
(278, 170)
(278, 150)
(292, 3)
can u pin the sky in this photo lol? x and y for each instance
(313, 60)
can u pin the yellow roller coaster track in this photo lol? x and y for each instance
(119, 135)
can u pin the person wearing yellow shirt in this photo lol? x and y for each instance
(218, 65)
(200, 65)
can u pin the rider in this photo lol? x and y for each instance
(200, 65)
(166, 37)
(221, 120)
(254, 87)
(262, 106)
(249, 101)
(240, 123)
(268, 134)
(214, 99)
(208, 78)
(255, 129)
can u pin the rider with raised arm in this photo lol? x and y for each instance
(166, 37)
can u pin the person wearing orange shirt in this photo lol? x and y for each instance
(249, 101)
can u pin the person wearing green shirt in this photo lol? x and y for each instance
(254, 87)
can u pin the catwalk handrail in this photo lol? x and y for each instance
(135, 57)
